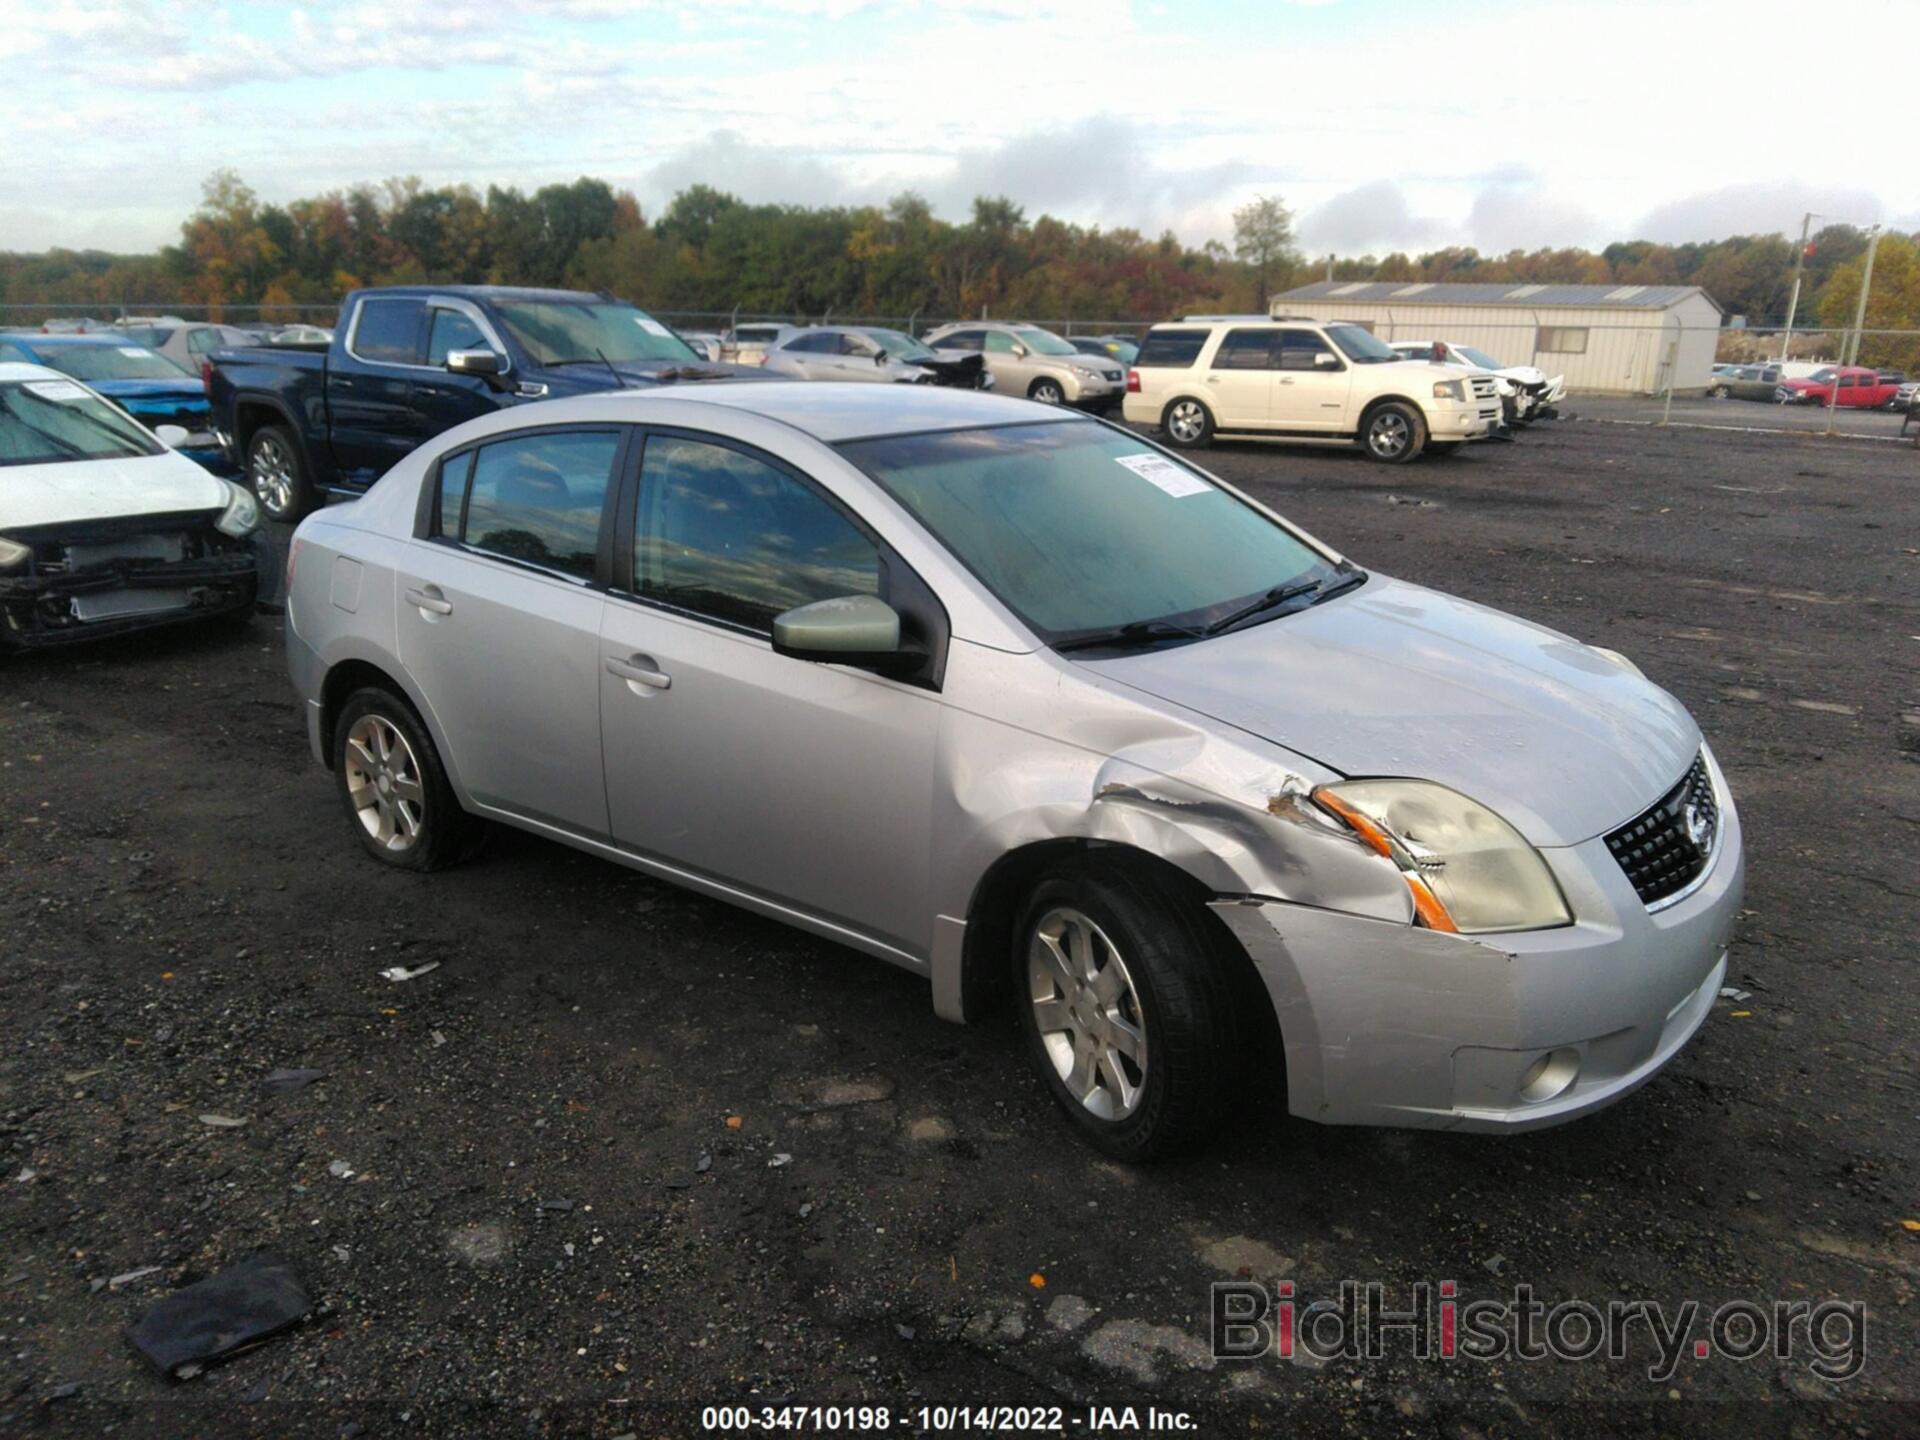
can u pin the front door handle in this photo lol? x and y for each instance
(1287, 381)
(640, 670)
(430, 600)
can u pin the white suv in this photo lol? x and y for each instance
(1305, 381)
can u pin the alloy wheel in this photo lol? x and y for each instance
(272, 476)
(1389, 434)
(384, 783)
(1048, 393)
(1187, 422)
(1087, 1013)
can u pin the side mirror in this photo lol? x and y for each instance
(848, 630)
(1325, 360)
(483, 364)
(1019, 350)
(171, 436)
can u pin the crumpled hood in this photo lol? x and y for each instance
(1524, 374)
(80, 490)
(1394, 679)
(183, 389)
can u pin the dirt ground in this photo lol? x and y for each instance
(551, 1226)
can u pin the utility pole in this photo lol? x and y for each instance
(1859, 319)
(1329, 267)
(1799, 264)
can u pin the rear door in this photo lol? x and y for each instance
(370, 395)
(1239, 379)
(1308, 394)
(498, 614)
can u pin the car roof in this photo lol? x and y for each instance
(833, 411)
(11, 370)
(56, 341)
(495, 292)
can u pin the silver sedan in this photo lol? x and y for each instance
(1012, 698)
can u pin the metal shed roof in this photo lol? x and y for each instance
(1508, 292)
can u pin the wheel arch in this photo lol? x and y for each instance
(254, 412)
(358, 672)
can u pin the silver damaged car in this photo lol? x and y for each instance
(1013, 698)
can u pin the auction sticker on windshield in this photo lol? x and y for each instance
(132, 352)
(651, 325)
(1160, 471)
(63, 390)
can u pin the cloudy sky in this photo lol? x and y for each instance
(1385, 124)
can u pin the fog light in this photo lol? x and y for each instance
(1550, 1075)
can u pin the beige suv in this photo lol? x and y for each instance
(1026, 360)
(1305, 381)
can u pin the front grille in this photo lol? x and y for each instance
(1669, 847)
(1484, 387)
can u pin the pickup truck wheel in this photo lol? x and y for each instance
(1188, 423)
(1126, 1007)
(277, 475)
(395, 790)
(1394, 433)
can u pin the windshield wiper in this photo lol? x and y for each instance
(1281, 594)
(1134, 632)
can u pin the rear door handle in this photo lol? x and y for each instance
(1287, 381)
(640, 670)
(430, 600)
(1213, 379)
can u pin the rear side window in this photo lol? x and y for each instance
(1170, 349)
(1246, 350)
(961, 340)
(725, 534)
(536, 498)
(389, 331)
(814, 344)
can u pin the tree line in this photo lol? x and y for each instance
(711, 251)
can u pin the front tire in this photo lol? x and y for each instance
(1188, 424)
(1393, 433)
(277, 474)
(1047, 392)
(1125, 1004)
(393, 786)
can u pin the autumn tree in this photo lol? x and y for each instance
(1263, 238)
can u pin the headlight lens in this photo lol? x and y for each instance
(242, 515)
(1449, 390)
(1469, 870)
(12, 553)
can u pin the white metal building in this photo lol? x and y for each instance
(1606, 339)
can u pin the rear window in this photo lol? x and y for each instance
(1171, 349)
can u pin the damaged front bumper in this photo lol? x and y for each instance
(1390, 1024)
(87, 582)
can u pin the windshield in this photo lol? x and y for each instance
(112, 362)
(569, 332)
(46, 421)
(1479, 357)
(1080, 528)
(899, 345)
(1043, 342)
(1125, 351)
(1362, 347)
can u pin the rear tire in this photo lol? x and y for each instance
(277, 474)
(395, 790)
(1393, 433)
(1188, 424)
(1126, 1000)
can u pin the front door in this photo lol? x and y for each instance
(499, 621)
(802, 783)
(1309, 393)
(441, 399)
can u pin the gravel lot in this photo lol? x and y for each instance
(553, 1225)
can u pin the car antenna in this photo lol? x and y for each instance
(618, 381)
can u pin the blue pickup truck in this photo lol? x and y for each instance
(408, 362)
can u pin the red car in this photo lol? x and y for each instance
(1858, 387)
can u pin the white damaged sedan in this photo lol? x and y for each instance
(103, 529)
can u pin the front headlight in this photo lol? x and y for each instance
(12, 553)
(242, 515)
(1469, 870)
(1449, 390)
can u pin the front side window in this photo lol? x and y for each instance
(1079, 528)
(1044, 342)
(43, 422)
(535, 498)
(1360, 345)
(589, 332)
(452, 330)
(728, 535)
(1298, 349)
(898, 344)
(388, 331)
